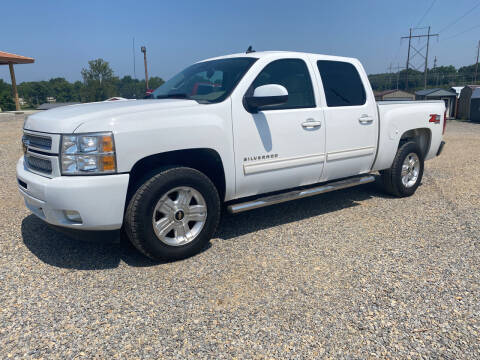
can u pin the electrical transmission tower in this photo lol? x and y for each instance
(418, 52)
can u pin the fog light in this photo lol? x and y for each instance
(73, 216)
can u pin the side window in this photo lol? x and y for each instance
(294, 76)
(342, 83)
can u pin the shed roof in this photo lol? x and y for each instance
(476, 93)
(435, 92)
(388, 92)
(383, 92)
(6, 58)
(425, 91)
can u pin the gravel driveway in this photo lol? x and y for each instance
(349, 274)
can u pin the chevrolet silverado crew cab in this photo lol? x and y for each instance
(247, 130)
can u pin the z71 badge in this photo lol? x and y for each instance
(434, 118)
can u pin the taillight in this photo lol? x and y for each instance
(444, 121)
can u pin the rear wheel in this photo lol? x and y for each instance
(406, 173)
(173, 214)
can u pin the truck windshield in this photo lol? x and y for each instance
(206, 82)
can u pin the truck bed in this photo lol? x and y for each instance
(396, 117)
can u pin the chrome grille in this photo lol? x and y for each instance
(39, 142)
(39, 164)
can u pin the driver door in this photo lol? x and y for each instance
(276, 148)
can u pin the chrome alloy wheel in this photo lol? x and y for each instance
(179, 216)
(410, 170)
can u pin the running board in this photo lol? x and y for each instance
(298, 194)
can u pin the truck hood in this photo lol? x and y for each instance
(66, 119)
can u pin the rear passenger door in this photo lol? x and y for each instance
(351, 118)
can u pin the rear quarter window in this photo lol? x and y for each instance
(342, 83)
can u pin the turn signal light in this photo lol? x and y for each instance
(107, 143)
(108, 163)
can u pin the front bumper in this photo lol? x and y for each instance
(100, 200)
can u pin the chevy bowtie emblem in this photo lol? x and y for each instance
(179, 215)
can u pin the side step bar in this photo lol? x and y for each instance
(298, 194)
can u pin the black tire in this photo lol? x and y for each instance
(392, 178)
(138, 216)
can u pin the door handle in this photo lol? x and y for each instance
(365, 119)
(310, 124)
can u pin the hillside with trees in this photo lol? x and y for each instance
(441, 76)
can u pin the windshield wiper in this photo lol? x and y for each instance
(173, 96)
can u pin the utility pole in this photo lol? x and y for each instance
(390, 75)
(426, 60)
(397, 69)
(417, 52)
(408, 58)
(144, 50)
(434, 70)
(398, 77)
(476, 64)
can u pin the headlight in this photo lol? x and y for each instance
(86, 154)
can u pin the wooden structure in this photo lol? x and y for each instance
(10, 60)
(393, 95)
(449, 97)
(464, 101)
(475, 105)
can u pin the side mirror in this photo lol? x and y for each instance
(266, 95)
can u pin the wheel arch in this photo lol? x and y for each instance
(205, 160)
(422, 136)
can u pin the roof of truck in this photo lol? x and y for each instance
(262, 54)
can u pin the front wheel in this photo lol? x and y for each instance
(173, 214)
(406, 173)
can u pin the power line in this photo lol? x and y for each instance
(460, 18)
(462, 32)
(426, 12)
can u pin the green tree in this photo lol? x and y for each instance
(98, 80)
(4, 86)
(35, 92)
(6, 101)
(467, 74)
(128, 87)
(154, 82)
(61, 89)
(77, 89)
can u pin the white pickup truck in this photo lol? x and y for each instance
(248, 130)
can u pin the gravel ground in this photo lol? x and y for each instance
(351, 274)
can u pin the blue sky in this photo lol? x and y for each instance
(63, 35)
